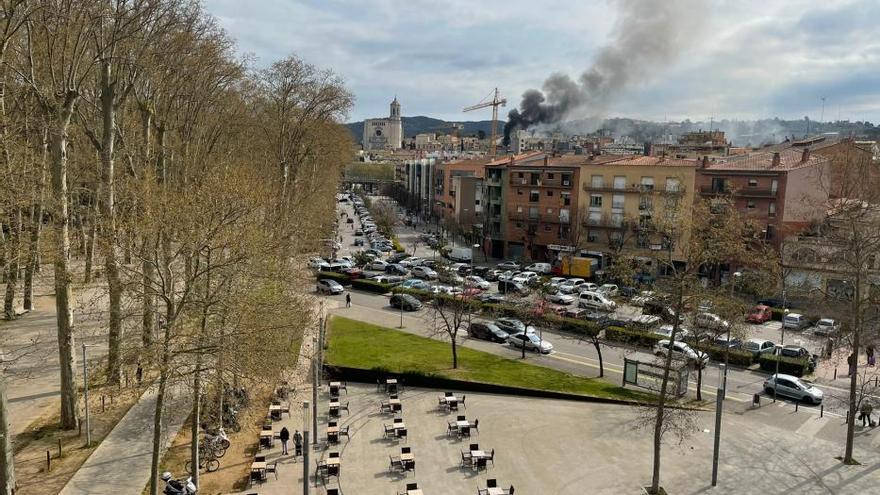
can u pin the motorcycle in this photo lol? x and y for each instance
(178, 487)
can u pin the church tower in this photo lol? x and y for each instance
(395, 109)
(395, 138)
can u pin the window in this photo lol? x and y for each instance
(547, 227)
(673, 184)
(774, 184)
(617, 219)
(549, 193)
(550, 210)
(750, 204)
(476, 202)
(597, 181)
(566, 199)
(519, 192)
(595, 218)
(719, 185)
(647, 184)
(646, 203)
(753, 182)
(592, 236)
(533, 196)
(772, 209)
(619, 182)
(617, 201)
(549, 176)
(533, 212)
(518, 225)
(596, 200)
(519, 209)
(520, 175)
(566, 179)
(535, 179)
(564, 215)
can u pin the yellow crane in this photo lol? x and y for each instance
(495, 102)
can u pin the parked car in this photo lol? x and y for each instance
(397, 257)
(417, 284)
(491, 298)
(487, 331)
(554, 282)
(722, 342)
(480, 271)
(387, 279)
(327, 286)
(358, 232)
(826, 326)
(405, 302)
(543, 268)
(509, 265)
(509, 286)
(666, 331)
(795, 321)
(559, 298)
(588, 287)
(460, 268)
(353, 272)
(798, 352)
(627, 291)
(710, 321)
(396, 269)
(609, 290)
(358, 242)
(759, 314)
(642, 298)
(316, 263)
(507, 276)
(478, 282)
(681, 350)
(378, 265)
(512, 326)
(492, 275)
(645, 323)
(424, 272)
(774, 302)
(594, 300)
(759, 346)
(531, 342)
(571, 285)
(411, 261)
(527, 278)
(794, 387)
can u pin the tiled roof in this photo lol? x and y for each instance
(789, 159)
(649, 161)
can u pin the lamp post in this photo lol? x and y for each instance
(86, 396)
(736, 275)
(306, 447)
(721, 394)
(779, 349)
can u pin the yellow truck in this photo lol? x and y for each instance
(576, 266)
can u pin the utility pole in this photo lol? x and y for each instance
(306, 448)
(779, 349)
(86, 392)
(315, 394)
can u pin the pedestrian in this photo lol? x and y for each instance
(139, 373)
(865, 412)
(347, 300)
(285, 437)
(870, 352)
(297, 443)
(851, 361)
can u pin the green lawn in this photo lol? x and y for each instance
(356, 344)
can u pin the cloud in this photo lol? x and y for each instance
(757, 58)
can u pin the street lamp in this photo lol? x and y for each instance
(721, 394)
(779, 349)
(736, 275)
(86, 395)
(306, 448)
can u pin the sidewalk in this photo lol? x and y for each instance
(121, 464)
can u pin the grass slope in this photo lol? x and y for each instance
(356, 344)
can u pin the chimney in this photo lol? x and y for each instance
(704, 163)
(776, 159)
(805, 156)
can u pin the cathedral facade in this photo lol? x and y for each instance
(384, 134)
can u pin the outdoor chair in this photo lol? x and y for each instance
(378, 385)
(451, 428)
(482, 491)
(476, 425)
(396, 407)
(409, 466)
(384, 407)
(460, 418)
(272, 468)
(412, 486)
(401, 434)
(464, 431)
(396, 463)
(491, 483)
(480, 463)
(491, 457)
(389, 429)
(332, 437)
(333, 412)
(452, 405)
(465, 458)
(286, 409)
(345, 406)
(333, 471)
(343, 431)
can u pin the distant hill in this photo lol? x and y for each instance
(421, 124)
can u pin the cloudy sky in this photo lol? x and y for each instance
(731, 58)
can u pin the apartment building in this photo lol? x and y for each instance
(622, 196)
(531, 204)
(458, 191)
(784, 192)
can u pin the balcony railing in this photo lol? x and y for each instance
(540, 218)
(746, 192)
(638, 188)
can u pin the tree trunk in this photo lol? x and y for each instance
(12, 268)
(194, 445)
(661, 400)
(853, 377)
(7, 466)
(157, 417)
(63, 292)
(454, 354)
(700, 381)
(598, 347)
(90, 250)
(149, 298)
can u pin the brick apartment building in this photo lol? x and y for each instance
(531, 204)
(782, 191)
(458, 192)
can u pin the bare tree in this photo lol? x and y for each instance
(447, 316)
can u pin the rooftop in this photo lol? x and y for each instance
(783, 160)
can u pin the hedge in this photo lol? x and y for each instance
(421, 295)
(634, 337)
(736, 357)
(370, 286)
(787, 365)
(505, 310)
(342, 278)
(398, 248)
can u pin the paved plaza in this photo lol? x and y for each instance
(567, 448)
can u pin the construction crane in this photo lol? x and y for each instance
(495, 102)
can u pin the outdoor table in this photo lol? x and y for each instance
(259, 467)
(332, 429)
(335, 384)
(462, 424)
(417, 491)
(332, 461)
(475, 454)
(266, 437)
(497, 491)
(399, 426)
(275, 411)
(449, 399)
(334, 404)
(391, 381)
(407, 457)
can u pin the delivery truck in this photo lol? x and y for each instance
(576, 266)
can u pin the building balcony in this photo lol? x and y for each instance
(542, 218)
(639, 189)
(746, 192)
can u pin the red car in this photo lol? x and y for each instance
(353, 272)
(759, 314)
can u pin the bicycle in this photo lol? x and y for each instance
(208, 464)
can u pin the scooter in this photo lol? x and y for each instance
(218, 438)
(178, 487)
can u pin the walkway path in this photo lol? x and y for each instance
(121, 464)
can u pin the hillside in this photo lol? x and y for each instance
(421, 124)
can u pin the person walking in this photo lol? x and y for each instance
(865, 412)
(297, 443)
(851, 361)
(347, 300)
(870, 352)
(284, 436)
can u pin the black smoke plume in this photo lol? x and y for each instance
(647, 35)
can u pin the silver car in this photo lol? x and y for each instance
(531, 342)
(327, 286)
(794, 387)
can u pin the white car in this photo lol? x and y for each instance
(710, 321)
(424, 272)
(539, 268)
(526, 278)
(531, 342)
(555, 281)
(412, 261)
(327, 286)
(642, 298)
(508, 275)
(377, 265)
(588, 287)
(595, 300)
(826, 326)
(794, 387)
(571, 285)
(478, 282)
(683, 351)
(666, 331)
(610, 290)
(559, 298)
(316, 263)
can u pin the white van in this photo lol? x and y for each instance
(595, 300)
(460, 254)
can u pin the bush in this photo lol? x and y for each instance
(370, 286)
(571, 325)
(633, 337)
(736, 357)
(342, 278)
(398, 248)
(499, 310)
(421, 295)
(787, 365)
